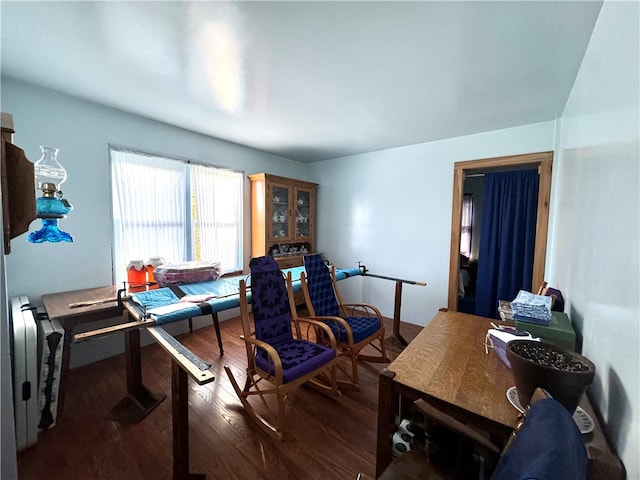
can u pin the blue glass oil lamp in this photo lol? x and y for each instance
(52, 205)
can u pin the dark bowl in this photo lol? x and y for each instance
(564, 374)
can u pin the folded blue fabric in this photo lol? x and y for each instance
(527, 305)
(225, 286)
(538, 321)
(190, 311)
(160, 297)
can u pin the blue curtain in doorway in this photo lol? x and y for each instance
(507, 238)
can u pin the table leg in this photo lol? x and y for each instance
(216, 325)
(395, 341)
(68, 327)
(180, 424)
(387, 408)
(138, 401)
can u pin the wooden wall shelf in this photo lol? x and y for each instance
(18, 186)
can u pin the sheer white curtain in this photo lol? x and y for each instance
(465, 225)
(176, 210)
(217, 216)
(149, 208)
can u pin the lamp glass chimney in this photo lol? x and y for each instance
(48, 170)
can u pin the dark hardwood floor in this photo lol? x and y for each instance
(325, 438)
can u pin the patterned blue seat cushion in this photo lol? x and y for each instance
(298, 358)
(361, 327)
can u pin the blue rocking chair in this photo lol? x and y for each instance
(354, 325)
(273, 354)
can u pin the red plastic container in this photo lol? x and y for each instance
(151, 265)
(137, 276)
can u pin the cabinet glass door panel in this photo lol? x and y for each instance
(303, 214)
(280, 212)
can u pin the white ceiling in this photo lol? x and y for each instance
(308, 80)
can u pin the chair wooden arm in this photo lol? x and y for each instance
(338, 320)
(455, 425)
(542, 288)
(365, 306)
(323, 326)
(273, 356)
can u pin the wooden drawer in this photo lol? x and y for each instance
(289, 261)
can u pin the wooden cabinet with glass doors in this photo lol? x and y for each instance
(282, 218)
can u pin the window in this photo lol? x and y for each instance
(174, 209)
(465, 226)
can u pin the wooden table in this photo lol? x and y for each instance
(93, 304)
(446, 365)
(57, 307)
(138, 400)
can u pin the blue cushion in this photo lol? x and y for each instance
(298, 358)
(549, 447)
(361, 327)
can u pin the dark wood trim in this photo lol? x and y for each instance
(387, 406)
(544, 162)
(138, 400)
(180, 424)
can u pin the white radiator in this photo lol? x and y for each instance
(37, 360)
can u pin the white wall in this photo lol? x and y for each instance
(82, 131)
(595, 248)
(391, 209)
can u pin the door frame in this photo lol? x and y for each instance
(543, 160)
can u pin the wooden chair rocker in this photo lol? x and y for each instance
(273, 354)
(354, 325)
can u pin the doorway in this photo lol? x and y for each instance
(543, 162)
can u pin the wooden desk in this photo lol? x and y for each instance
(446, 365)
(57, 307)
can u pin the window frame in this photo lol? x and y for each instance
(188, 221)
(544, 161)
(467, 199)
